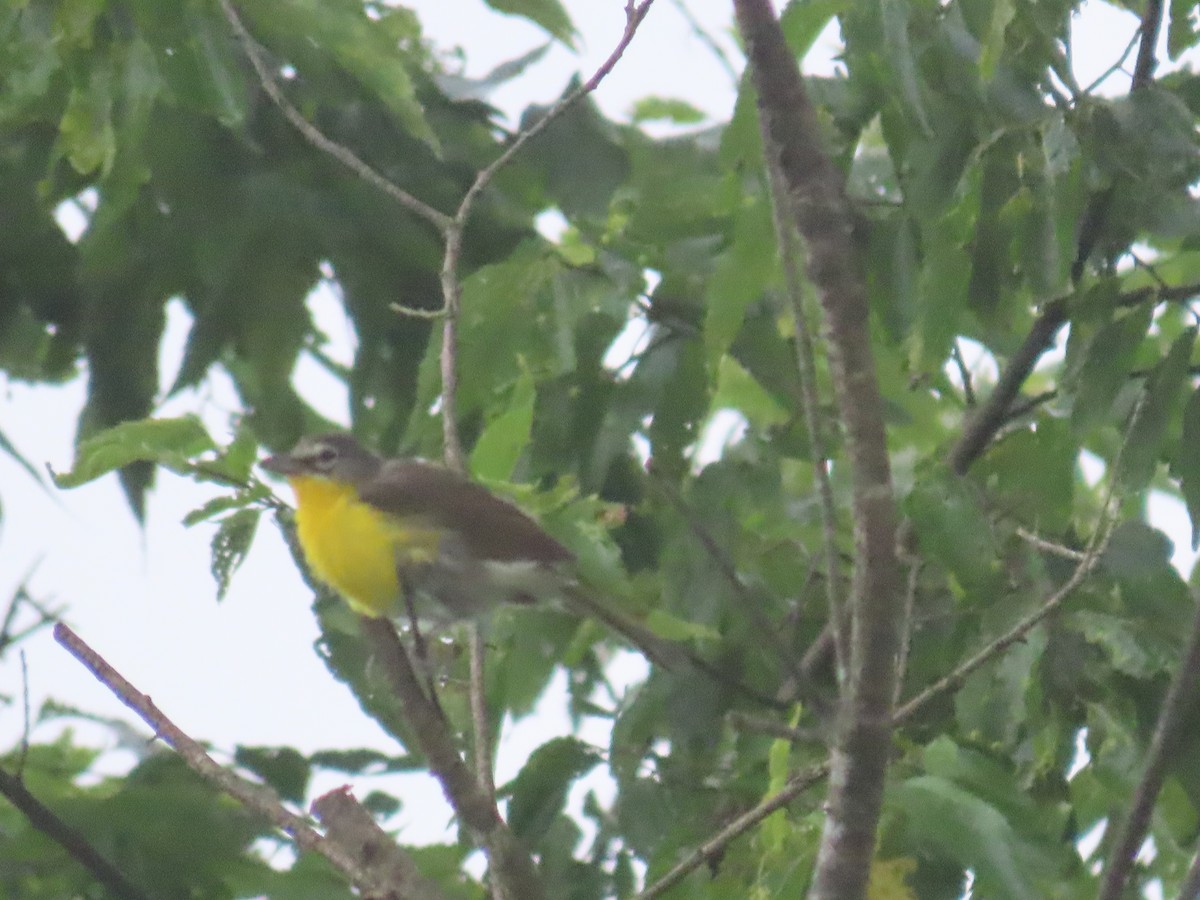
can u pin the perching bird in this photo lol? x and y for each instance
(373, 529)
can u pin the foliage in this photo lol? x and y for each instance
(997, 196)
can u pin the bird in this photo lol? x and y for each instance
(390, 535)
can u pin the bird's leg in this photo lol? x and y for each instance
(420, 647)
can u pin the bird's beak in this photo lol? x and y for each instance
(283, 464)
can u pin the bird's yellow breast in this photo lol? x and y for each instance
(353, 547)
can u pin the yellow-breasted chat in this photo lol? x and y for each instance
(378, 531)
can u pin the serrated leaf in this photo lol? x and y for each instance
(230, 545)
(539, 791)
(1148, 430)
(165, 442)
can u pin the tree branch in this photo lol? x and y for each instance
(1143, 69)
(992, 414)
(713, 848)
(1180, 699)
(358, 868)
(77, 846)
(316, 137)
(810, 400)
(512, 868)
(348, 823)
(822, 212)
(453, 232)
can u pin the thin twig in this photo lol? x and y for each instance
(634, 14)
(992, 414)
(340, 152)
(453, 229)
(906, 626)
(1115, 67)
(702, 34)
(745, 722)
(1091, 557)
(1049, 546)
(964, 374)
(715, 845)
(25, 729)
(810, 401)
(72, 841)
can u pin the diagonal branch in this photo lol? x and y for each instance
(352, 861)
(77, 846)
(819, 204)
(515, 877)
(453, 232)
(714, 847)
(1180, 700)
(343, 154)
(990, 416)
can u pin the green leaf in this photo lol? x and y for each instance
(802, 22)
(1127, 646)
(1182, 30)
(1105, 368)
(1147, 431)
(737, 389)
(741, 276)
(165, 442)
(367, 51)
(896, 19)
(86, 128)
(956, 824)
(218, 505)
(953, 529)
(539, 791)
(679, 112)
(1003, 12)
(283, 768)
(1136, 550)
(549, 14)
(506, 437)
(230, 545)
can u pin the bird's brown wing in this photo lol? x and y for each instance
(491, 528)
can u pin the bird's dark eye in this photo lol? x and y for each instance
(326, 457)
